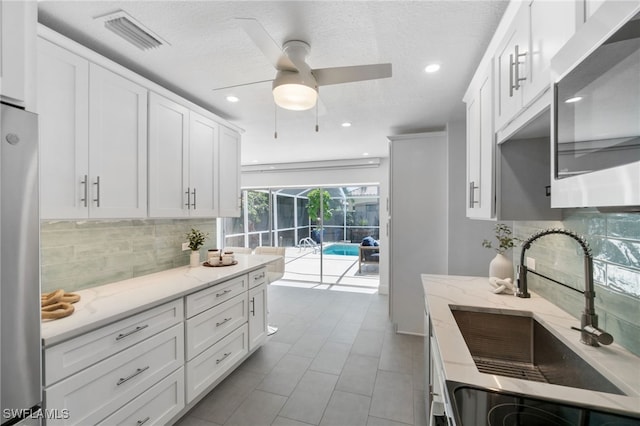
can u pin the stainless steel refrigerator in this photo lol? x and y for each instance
(19, 265)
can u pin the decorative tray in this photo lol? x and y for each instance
(235, 262)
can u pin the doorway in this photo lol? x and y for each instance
(320, 227)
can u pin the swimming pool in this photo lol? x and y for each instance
(342, 249)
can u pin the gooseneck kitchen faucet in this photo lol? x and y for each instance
(590, 334)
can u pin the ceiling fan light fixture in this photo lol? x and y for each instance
(291, 91)
(296, 97)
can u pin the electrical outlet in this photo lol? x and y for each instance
(185, 246)
(531, 263)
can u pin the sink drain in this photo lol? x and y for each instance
(514, 369)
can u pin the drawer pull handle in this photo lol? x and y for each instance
(223, 293)
(135, 330)
(134, 374)
(218, 361)
(257, 277)
(218, 324)
(141, 422)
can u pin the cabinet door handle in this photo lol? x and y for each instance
(253, 306)
(514, 70)
(188, 198)
(218, 324)
(135, 330)
(141, 422)
(97, 184)
(134, 374)
(472, 194)
(194, 199)
(218, 361)
(223, 293)
(85, 198)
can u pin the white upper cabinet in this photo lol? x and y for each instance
(93, 138)
(17, 52)
(204, 165)
(480, 148)
(63, 104)
(183, 161)
(533, 37)
(117, 145)
(552, 25)
(168, 157)
(511, 61)
(229, 173)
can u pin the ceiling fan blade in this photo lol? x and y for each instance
(240, 85)
(338, 75)
(266, 44)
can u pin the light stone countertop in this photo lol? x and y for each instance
(614, 362)
(108, 303)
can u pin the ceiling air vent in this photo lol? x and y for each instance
(131, 30)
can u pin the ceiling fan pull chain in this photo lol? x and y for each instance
(275, 121)
(317, 127)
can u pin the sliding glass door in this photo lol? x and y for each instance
(321, 229)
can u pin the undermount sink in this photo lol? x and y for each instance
(516, 345)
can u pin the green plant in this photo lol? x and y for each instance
(313, 208)
(196, 238)
(504, 237)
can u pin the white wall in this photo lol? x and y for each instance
(326, 175)
(419, 216)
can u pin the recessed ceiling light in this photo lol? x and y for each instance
(365, 154)
(346, 124)
(232, 98)
(432, 68)
(574, 99)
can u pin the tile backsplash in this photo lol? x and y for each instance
(77, 255)
(614, 239)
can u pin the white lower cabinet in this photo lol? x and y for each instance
(151, 367)
(156, 406)
(209, 366)
(257, 316)
(207, 328)
(96, 392)
(69, 357)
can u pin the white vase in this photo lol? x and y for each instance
(194, 260)
(501, 267)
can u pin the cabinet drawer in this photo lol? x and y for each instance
(156, 406)
(214, 295)
(210, 365)
(257, 277)
(94, 393)
(208, 327)
(69, 357)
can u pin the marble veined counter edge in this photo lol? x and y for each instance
(108, 303)
(616, 363)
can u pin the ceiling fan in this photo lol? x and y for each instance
(295, 86)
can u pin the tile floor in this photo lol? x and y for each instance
(335, 360)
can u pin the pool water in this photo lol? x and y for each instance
(342, 249)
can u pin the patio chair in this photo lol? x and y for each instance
(275, 270)
(369, 252)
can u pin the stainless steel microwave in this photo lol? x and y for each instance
(596, 111)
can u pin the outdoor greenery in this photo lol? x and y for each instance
(314, 204)
(258, 206)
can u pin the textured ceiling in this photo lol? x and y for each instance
(209, 50)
